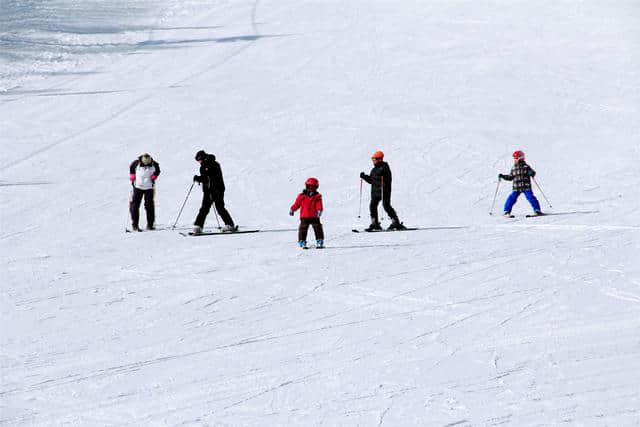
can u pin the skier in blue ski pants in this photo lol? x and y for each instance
(513, 197)
(521, 174)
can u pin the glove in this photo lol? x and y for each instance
(196, 178)
(132, 177)
(153, 178)
(500, 176)
(319, 214)
(290, 212)
(532, 173)
(362, 175)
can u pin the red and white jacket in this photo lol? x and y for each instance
(309, 203)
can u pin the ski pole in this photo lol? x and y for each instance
(382, 192)
(126, 228)
(215, 212)
(360, 203)
(494, 197)
(185, 202)
(541, 192)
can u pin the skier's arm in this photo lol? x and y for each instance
(217, 182)
(156, 166)
(365, 177)
(319, 207)
(132, 170)
(530, 172)
(296, 205)
(506, 177)
(386, 174)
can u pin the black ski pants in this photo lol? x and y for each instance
(386, 204)
(209, 199)
(149, 206)
(304, 228)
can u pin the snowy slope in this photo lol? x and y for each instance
(477, 320)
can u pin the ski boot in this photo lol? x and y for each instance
(319, 244)
(135, 227)
(197, 229)
(374, 226)
(228, 228)
(303, 244)
(150, 227)
(538, 213)
(396, 225)
(507, 215)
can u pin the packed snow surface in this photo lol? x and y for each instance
(474, 320)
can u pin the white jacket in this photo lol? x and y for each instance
(143, 174)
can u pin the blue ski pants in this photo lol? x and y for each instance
(513, 197)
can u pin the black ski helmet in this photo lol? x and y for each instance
(201, 155)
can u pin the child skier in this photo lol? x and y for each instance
(521, 174)
(380, 180)
(310, 204)
(143, 173)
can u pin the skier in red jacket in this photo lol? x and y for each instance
(310, 204)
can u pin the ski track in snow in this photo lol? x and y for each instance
(471, 320)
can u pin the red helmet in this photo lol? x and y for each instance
(518, 155)
(378, 155)
(312, 182)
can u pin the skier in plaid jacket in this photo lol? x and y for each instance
(521, 174)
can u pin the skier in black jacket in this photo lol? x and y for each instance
(212, 191)
(380, 180)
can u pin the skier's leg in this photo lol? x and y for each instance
(386, 204)
(204, 209)
(533, 201)
(149, 207)
(319, 233)
(222, 211)
(317, 229)
(511, 200)
(303, 229)
(134, 207)
(373, 207)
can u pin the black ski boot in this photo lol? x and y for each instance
(135, 227)
(396, 225)
(375, 226)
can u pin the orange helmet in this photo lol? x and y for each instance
(312, 182)
(378, 155)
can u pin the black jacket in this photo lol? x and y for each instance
(211, 176)
(380, 179)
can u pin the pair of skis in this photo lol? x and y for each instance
(355, 230)
(220, 232)
(527, 216)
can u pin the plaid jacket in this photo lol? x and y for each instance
(521, 174)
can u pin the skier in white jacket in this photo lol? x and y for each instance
(143, 173)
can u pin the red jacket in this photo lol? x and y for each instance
(309, 204)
